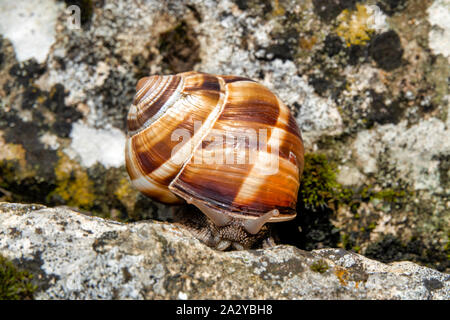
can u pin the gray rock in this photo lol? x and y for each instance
(367, 83)
(81, 257)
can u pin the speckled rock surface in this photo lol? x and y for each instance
(366, 80)
(74, 256)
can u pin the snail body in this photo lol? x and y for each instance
(225, 144)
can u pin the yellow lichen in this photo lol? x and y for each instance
(73, 183)
(278, 10)
(126, 195)
(307, 43)
(41, 99)
(355, 26)
(342, 275)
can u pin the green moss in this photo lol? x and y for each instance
(389, 195)
(319, 185)
(367, 194)
(320, 193)
(345, 242)
(447, 246)
(371, 226)
(14, 284)
(320, 266)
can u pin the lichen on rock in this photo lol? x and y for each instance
(75, 256)
(73, 184)
(367, 82)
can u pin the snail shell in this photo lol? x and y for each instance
(173, 129)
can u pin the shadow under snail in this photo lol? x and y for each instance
(225, 144)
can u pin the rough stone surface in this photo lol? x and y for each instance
(366, 80)
(74, 256)
(37, 27)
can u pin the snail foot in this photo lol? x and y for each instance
(231, 236)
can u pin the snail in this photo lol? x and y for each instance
(225, 144)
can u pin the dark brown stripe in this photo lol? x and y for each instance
(250, 102)
(291, 144)
(252, 107)
(152, 158)
(219, 189)
(230, 79)
(279, 190)
(212, 183)
(268, 199)
(217, 183)
(292, 126)
(207, 97)
(141, 83)
(251, 110)
(256, 209)
(207, 83)
(132, 125)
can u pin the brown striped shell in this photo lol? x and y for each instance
(173, 153)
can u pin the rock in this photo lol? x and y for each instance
(37, 32)
(74, 256)
(366, 81)
(438, 16)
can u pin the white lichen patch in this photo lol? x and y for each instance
(49, 140)
(408, 150)
(316, 115)
(439, 35)
(80, 78)
(346, 261)
(367, 147)
(105, 146)
(30, 25)
(320, 115)
(364, 77)
(377, 20)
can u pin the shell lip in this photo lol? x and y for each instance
(285, 214)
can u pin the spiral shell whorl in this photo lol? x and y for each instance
(154, 95)
(226, 105)
(163, 105)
